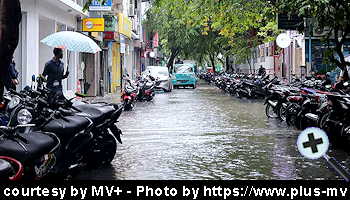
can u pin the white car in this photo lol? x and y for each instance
(162, 74)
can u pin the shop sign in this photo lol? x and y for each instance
(93, 25)
(96, 5)
(124, 25)
(110, 23)
(109, 36)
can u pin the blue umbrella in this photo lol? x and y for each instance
(72, 41)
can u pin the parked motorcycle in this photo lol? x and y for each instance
(84, 134)
(129, 94)
(146, 87)
(34, 149)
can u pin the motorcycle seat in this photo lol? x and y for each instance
(98, 113)
(130, 90)
(37, 144)
(65, 128)
(249, 83)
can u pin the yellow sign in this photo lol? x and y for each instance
(93, 25)
(124, 25)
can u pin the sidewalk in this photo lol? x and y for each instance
(109, 98)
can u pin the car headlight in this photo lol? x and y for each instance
(24, 117)
(14, 102)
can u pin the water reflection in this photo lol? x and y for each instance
(206, 134)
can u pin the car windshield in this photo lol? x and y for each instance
(160, 72)
(163, 73)
(183, 69)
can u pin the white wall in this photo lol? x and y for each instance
(268, 64)
(39, 20)
(31, 41)
(46, 27)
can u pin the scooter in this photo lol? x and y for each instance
(129, 94)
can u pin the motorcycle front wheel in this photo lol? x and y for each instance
(270, 111)
(103, 151)
(282, 112)
(292, 114)
(128, 106)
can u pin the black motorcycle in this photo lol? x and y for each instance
(336, 122)
(84, 138)
(34, 149)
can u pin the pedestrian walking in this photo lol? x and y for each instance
(54, 71)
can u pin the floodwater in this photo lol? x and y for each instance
(206, 134)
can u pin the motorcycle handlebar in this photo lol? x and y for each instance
(6, 128)
(16, 93)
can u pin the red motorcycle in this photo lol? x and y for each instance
(129, 94)
(10, 169)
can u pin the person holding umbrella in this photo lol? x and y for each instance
(54, 71)
(71, 41)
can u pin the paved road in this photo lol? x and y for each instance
(206, 134)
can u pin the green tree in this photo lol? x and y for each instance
(331, 15)
(202, 29)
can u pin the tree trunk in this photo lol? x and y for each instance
(250, 66)
(174, 54)
(212, 60)
(228, 65)
(222, 62)
(341, 63)
(10, 17)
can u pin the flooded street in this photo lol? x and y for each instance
(205, 134)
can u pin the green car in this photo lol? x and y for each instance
(184, 76)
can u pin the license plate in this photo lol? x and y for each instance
(181, 81)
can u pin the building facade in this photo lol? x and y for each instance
(41, 18)
(283, 63)
(93, 74)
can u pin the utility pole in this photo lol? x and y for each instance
(310, 44)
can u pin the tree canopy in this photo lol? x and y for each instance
(330, 15)
(203, 29)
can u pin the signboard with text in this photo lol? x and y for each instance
(124, 25)
(109, 36)
(96, 5)
(93, 25)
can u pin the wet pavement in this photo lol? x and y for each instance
(206, 134)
